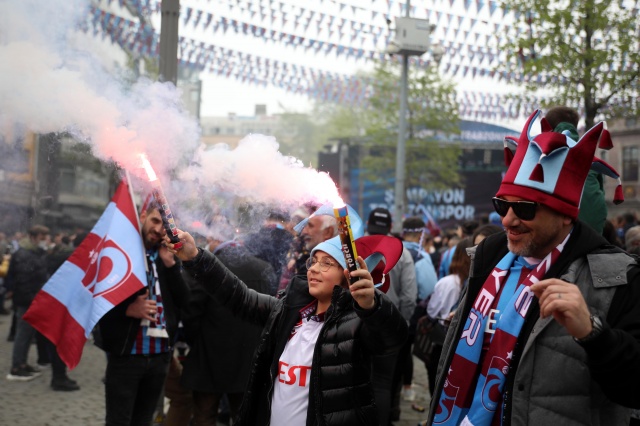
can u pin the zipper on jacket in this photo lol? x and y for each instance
(270, 395)
(279, 314)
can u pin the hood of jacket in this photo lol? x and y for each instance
(27, 244)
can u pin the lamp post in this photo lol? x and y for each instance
(412, 38)
(398, 208)
(169, 40)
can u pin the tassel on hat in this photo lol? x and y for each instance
(618, 196)
(605, 141)
(602, 167)
(538, 173)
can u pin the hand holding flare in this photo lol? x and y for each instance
(165, 210)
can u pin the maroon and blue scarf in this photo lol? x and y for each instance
(473, 389)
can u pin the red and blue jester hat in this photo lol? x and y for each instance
(551, 168)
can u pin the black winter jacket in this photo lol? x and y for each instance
(27, 273)
(221, 347)
(340, 388)
(118, 331)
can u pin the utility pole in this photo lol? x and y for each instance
(400, 150)
(412, 38)
(169, 40)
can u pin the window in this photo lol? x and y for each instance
(67, 180)
(630, 163)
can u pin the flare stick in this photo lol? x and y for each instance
(165, 212)
(163, 205)
(346, 240)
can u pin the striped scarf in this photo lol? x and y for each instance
(465, 400)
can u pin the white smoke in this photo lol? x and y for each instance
(51, 80)
(48, 85)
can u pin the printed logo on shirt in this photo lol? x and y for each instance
(295, 328)
(293, 374)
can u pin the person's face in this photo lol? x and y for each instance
(41, 240)
(537, 237)
(313, 234)
(152, 229)
(321, 283)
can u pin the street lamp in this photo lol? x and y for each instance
(412, 38)
(169, 40)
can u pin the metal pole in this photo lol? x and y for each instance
(400, 151)
(169, 40)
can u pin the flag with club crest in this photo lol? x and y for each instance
(105, 269)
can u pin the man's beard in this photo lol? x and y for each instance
(152, 241)
(524, 250)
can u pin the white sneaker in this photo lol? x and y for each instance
(20, 375)
(408, 394)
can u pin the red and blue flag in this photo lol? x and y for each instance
(107, 267)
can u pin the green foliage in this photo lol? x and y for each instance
(300, 136)
(432, 113)
(579, 53)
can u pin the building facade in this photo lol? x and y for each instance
(481, 167)
(625, 158)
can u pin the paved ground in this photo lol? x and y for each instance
(35, 404)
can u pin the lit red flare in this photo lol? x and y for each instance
(165, 211)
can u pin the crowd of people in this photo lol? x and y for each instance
(536, 305)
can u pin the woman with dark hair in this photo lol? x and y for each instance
(483, 232)
(609, 233)
(445, 296)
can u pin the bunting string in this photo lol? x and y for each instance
(469, 31)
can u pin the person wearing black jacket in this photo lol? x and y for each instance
(548, 331)
(60, 381)
(26, 276)
(313, 363)
(138, 333)
(221, 347)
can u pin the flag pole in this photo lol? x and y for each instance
(135, 208)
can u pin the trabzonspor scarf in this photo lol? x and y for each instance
(462, 403)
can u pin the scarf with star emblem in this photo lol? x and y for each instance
(473, 389)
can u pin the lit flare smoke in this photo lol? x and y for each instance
(56, 78)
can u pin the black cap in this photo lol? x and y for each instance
(379, 222)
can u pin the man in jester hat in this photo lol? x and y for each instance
(548, 331)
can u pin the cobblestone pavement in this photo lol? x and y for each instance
(34, 403)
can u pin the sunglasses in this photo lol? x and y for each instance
(525, 210)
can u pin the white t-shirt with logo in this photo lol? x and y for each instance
(291, 390)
